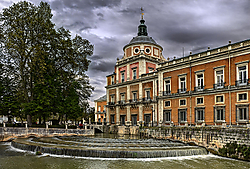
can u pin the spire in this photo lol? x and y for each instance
(142, 13)
(142, 28)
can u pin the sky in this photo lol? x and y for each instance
(109, 25)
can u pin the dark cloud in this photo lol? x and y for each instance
(111, 24)
(103, 66)
(84, 4)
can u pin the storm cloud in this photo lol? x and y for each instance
(192, 25)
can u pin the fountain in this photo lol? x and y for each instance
(82, 146)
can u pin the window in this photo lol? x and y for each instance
(242, 97)
(219, 113)
(112, 80)
(219, 79)
(147, 50)
(134, 120)
(112, 99)
(182, 85)
(167, 115)
(104, 109)
(242, 113)
(199, 100)
(219, 99)
(199, 114)
(122, 98)
(156, 52)
(134, 96)
(167, 103)
(147, 119)
(112, 118)
(199, 82)
(242, 73)
(147, 94)
(122, 119)
(182, 116)
(99, 108)
(134, 73)
(136, 50)
(167, 87)
(123, 76)
(183, 102)
(150, 69)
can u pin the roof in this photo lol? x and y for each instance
(103, 98)
(142, 36)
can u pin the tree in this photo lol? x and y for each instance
(45, 62)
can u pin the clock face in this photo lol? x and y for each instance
(136, 50)
(147, 50)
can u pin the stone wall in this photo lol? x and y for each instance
(209, 137)
(8, 133)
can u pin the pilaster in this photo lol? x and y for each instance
(117, 107)
(160, 111)
(128, 122)
(140, 113)
(107, 108)
(128, 72)
(140, 90)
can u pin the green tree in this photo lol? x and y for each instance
(45, 62)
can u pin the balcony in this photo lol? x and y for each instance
(241, 82)
(146, 99)
(219, 85)
(166, 93)
(111, 103)
(183, 90)
(199, 88)
(121, 102)
(133, 100)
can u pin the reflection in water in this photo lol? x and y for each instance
(21, 160)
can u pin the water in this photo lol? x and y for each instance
(11, 159)
(107, 147)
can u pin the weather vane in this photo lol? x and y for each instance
(142, 13)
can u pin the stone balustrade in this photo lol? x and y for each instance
(7, 133)
(208, 137)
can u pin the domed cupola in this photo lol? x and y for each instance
(142, 36)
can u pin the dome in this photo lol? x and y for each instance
(142, 36)
(142, 39)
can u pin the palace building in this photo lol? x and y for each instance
(207, 88)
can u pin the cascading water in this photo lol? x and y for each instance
(107, 148)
